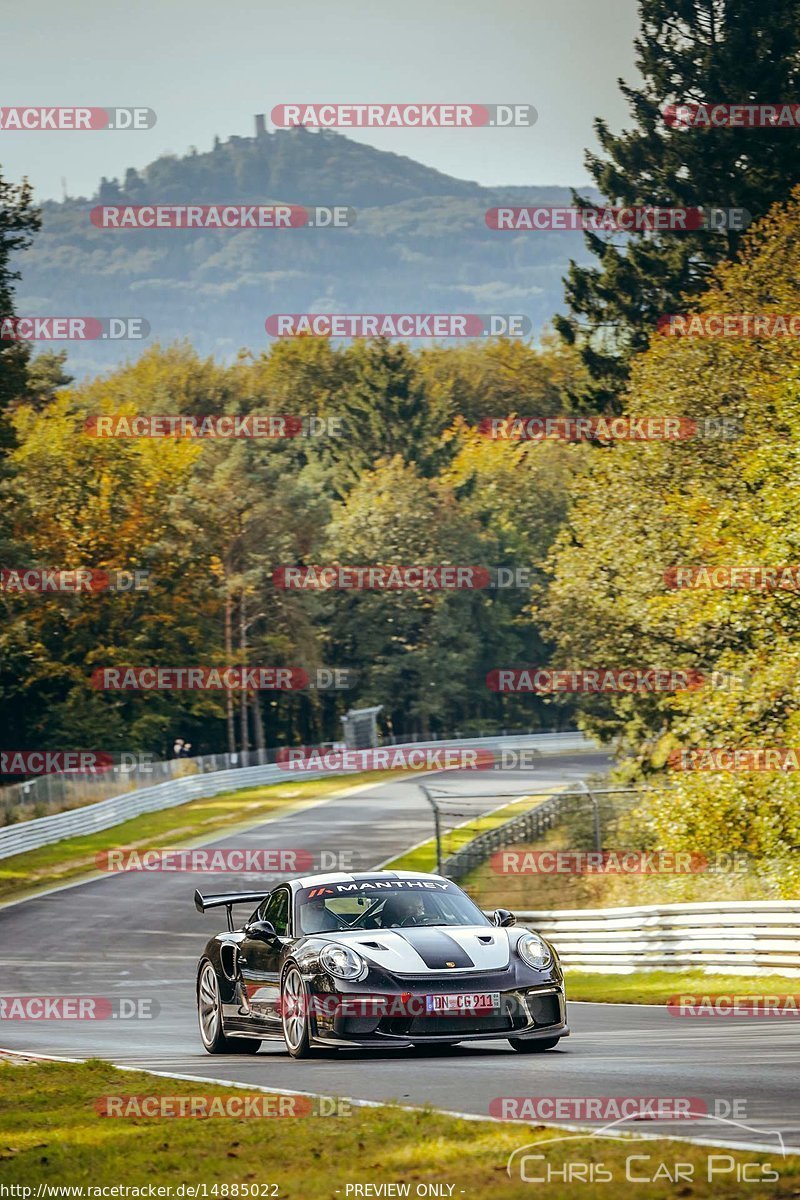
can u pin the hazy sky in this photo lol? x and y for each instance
(206, 66)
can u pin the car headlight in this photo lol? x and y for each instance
(343, 963)
(534, 951)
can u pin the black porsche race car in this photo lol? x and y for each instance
(372, 959)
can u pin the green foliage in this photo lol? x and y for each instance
(744, 52)
(19, 220)
(408, 482)
(46, 374)
(639, 509)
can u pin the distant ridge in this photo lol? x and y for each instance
(420, 243)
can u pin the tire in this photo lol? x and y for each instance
(295, 1014)
(533, 1045)
(209, 1015)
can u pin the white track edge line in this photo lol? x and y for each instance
(755, 1147)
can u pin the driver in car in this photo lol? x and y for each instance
(403, 910)
(317, 918)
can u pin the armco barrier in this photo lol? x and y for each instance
(748, 936)
(29, 835)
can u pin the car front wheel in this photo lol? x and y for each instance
(295, 1015)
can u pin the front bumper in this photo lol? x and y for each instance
(531, 1011)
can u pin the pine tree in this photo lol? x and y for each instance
(19, 220)
(714, 51)
(388, 409)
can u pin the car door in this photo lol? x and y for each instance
(260, 961)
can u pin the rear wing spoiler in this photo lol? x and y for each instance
(228, 899)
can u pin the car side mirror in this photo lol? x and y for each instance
(502, 917)
(261, 931)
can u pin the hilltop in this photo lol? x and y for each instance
(420, 243)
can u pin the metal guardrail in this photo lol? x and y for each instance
(739, 936)
(91, 818)
(57, 791)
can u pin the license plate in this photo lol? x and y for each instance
(462, 1002)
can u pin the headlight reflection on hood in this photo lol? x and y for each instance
(343, 963)
(534, 951)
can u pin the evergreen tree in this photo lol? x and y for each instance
(46, 374)
(715, 51)
(388, 410)
(19, 220)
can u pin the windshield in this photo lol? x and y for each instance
(384, 906)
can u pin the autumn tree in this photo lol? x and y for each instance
(641, 509)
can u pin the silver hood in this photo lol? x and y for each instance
(421, 950)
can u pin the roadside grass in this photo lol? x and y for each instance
(423, 857)
(197, 819)
(531, 890)
(53, 1134)
(657, 987)
(522, 890)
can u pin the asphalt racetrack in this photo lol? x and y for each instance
(138, 935)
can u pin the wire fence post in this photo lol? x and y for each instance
(436, 826)
(598, 833)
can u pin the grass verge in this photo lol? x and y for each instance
(73, 857)
(52, 1134)
(657, 987)
(423, 857)
(532, 890)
